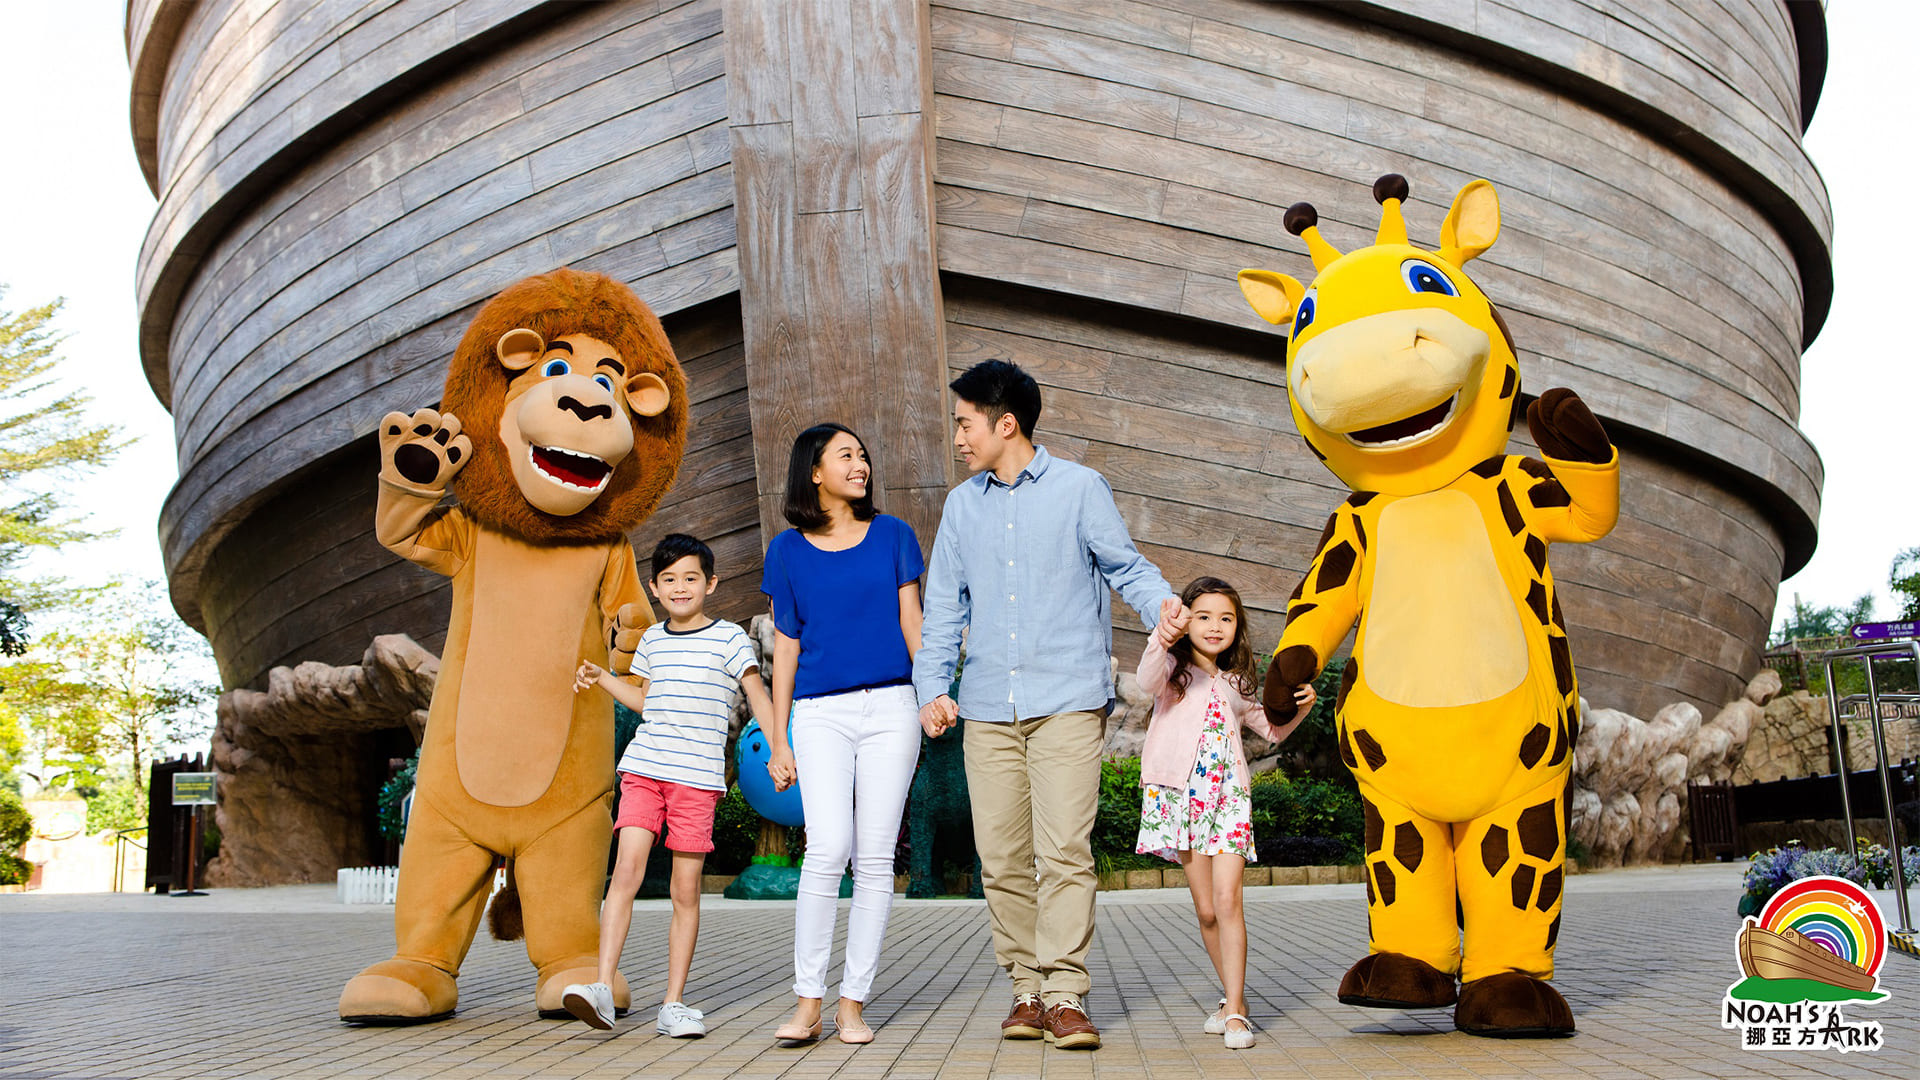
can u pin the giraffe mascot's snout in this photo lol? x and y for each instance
(1458, 712)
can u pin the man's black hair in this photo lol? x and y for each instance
(676, 546)
(996, 388)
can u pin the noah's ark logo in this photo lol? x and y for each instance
(1817, 943)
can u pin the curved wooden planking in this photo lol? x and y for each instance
(341, 290)
(300, 577)
(1189, 425)
(1141, 161)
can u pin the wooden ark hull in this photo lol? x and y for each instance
(1789, 955)
(835, 205)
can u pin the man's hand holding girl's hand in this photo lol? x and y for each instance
(1173, 621)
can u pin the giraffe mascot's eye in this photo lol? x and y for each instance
(1304, 317)
(556, 366)
(1422, 276)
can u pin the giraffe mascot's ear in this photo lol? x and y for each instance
(1274, 297)
(1472, 225)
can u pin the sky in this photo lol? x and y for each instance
(77, 208)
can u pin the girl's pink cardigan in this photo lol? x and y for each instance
(1173, 735)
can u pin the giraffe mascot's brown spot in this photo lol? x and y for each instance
(1459, 708)
(562, 426)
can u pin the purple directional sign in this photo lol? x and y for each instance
(1883, 631)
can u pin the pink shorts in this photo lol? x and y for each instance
(685, 812)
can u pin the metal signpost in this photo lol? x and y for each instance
(195, 790)
(1901, 938)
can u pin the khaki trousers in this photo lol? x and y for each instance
(1035, 786)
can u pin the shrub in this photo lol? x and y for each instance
(1116, 824)
(16, 828)
(1286, 807)
(121, 808)
(736, 828)
(1775, 869)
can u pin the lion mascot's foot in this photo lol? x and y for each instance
(1389, 980)
(1512, 1006)
(585, 969)
(398, 991)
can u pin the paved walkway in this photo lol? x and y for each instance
(242, 983)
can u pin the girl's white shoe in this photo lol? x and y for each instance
(1241, 1037)
(1216, 1023)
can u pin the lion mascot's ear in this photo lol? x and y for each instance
(647, 394)
(518, 349)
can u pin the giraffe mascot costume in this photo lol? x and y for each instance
(1457, 713)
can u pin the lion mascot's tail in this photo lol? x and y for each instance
(503, 915)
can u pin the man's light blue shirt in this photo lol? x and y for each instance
(1027, 567)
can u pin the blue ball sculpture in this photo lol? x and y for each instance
(751, 755)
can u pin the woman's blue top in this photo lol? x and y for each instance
(844, 606)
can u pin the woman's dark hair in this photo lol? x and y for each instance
(676, 546)
(803, 496)
(996, 388)
(1235, 661)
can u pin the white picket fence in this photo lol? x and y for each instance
(367, 884)
(376, 884)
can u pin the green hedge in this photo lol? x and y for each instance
(16, 828)
(1283, 807)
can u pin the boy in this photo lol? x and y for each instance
(690, 671)
(1042, 533)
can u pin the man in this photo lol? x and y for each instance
(1026, 552)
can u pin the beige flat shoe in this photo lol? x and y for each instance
(854, 1036)
(790, 1035)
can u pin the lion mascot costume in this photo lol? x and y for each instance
(1457, 713)
(561, 428)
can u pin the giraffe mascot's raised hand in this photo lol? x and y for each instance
(561, 428)
(1457, 713)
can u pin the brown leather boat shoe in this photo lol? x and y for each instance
(1069, 1028)
(1025, 1019)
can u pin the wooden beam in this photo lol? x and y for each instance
(831, 127)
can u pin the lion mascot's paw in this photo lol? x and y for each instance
(1391, 980)
(398, 991)
(1512, 1006)
(422, 451)
(580, 969)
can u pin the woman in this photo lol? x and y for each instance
(844, 588)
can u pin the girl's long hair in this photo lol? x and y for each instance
(1235, 661)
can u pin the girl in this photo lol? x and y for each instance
(844, 584)
(1196, 808)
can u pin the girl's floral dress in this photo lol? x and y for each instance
(1214, 815)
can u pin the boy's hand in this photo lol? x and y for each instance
(781, 768)
(939, 715)
(588, 676)
(1173, 621)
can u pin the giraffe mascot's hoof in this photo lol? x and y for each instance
(560, 429)
(1457, 711)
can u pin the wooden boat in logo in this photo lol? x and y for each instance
(1791, 955)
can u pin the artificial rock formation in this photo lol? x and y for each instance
(301, 764)
(1628, 799)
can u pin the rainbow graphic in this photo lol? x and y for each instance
(1833, 913)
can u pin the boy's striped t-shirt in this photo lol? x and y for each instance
(693, 684)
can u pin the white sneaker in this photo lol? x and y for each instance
(591, 1002)
(680, 1021)
(1239, 1038)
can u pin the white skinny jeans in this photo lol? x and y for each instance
(856, 753)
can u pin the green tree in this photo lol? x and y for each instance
(1903, 577)
(1804, 620)
(46, 442)
(102, 696)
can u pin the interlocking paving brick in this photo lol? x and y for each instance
(243, 984)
